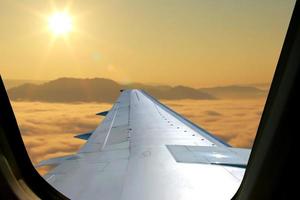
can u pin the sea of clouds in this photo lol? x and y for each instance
(48, 129)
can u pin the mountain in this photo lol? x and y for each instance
(10, 83)
(235, 91)
(262, 86)
(97, 90)
(68, 90)
(172, 93)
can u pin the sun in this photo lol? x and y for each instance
(60, 23)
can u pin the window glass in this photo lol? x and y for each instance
(210, 61)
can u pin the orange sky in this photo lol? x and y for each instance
(195, 43)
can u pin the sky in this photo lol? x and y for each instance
(194, 42)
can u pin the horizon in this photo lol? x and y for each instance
(256, 85)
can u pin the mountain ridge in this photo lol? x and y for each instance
(106, 90)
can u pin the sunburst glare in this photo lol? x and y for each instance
(60, 23)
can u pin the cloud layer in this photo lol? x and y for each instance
(235, 121)
(48, 129)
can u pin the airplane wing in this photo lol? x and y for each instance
(144, 150)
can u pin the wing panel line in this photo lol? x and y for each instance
(187, 122)
(110, 127)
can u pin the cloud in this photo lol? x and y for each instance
(212, 113)
(48, 129)
(234, 121)
(211, 119)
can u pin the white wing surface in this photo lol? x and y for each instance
(144, 150)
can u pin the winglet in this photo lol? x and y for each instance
(84, 136)
(104, 113)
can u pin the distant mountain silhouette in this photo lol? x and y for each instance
(235, 91)
(97, 89)
(262, 86)
(10, 83)
(68, 90)
(168, 92)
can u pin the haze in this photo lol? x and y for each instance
(194, 43)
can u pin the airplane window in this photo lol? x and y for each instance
(65, 63)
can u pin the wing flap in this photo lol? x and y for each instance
(235, 157)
